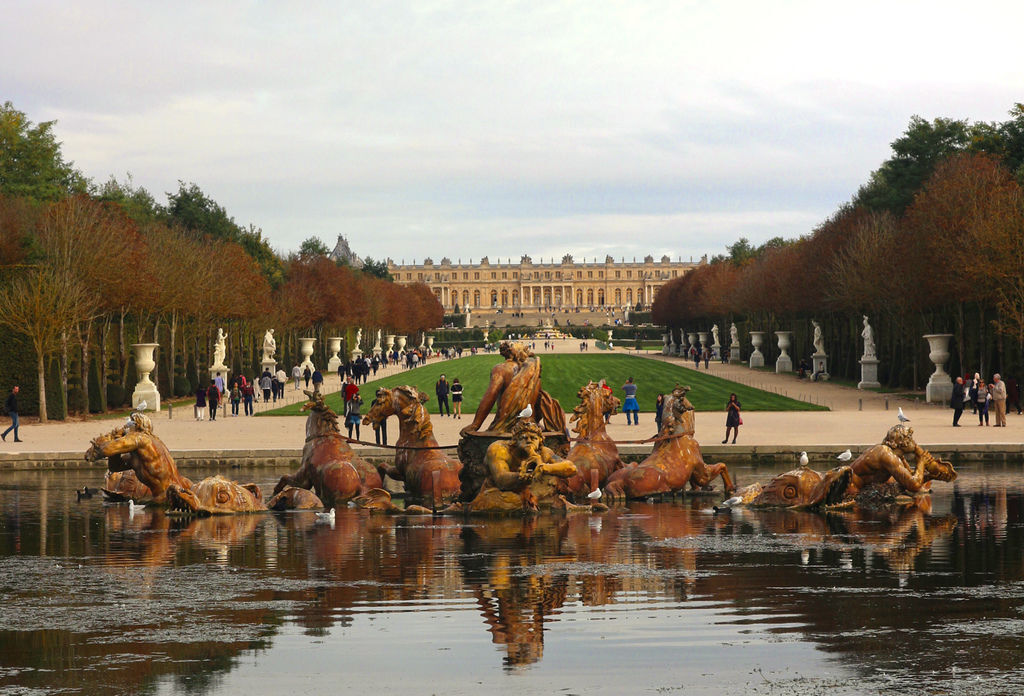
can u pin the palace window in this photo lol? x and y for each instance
(465, 276)
(629, 274)
(408, 276)
(618, 274)
(600, 274)
(504, 275)
(476, 276)
(675, 273)
(547, 275)
(590, 274)
(419, 276)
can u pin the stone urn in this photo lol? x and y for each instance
(334, 347)
(389, 342)
(940, 386)
(666, 343)
(703, 336)
(430, 344)
(145, 390)
(757, 340)
(400, 343)
(692, 338)
(784, 362)
(306, 351)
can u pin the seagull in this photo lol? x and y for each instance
(325, 517)
(803, 459)
(133, 508)
(594, 494)
(142, 406)
(900, 417)
(526, 412)
(845, 456)
(727, 504)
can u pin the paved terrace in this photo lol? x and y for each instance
(858, 419)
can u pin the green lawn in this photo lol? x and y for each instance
(563, 374)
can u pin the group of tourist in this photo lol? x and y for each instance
(981, 398)
(442, 389)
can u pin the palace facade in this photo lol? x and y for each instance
(529, 286)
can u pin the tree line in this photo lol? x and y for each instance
(86, 270)
(932, 243)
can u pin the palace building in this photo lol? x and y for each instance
(592, 286)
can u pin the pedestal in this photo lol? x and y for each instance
(223, 370)
(306, 351)
(757, 340)
(940, 386)
(333, 346)
(784, 363)
(356, 354)
(868, 373)
(819, 365)
(145, 390)
(267, 365)
(692, 338)
(734, 354)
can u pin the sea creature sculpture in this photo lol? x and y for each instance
(675, 460)
(329, 466)
(215, 495)
(431, 476)
(134, 446)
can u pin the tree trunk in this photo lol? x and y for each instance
(64, 370)
(41, 374)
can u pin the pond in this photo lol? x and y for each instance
(650, 598)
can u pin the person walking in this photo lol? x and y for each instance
(248, 394)
(998, 391)
(659, 407)
(236, 398)
(441, 388)
(282, 382)
(380, 433)
(11, 406)
(307, 375)
(352, 417)
(629, 405)
(350, 390)
(296, 375)
(200, 407)
(213, 398)
(981, 401)
(318, 381)
(456, 398)
(733, 420)
(956, 401)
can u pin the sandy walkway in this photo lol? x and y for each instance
(844, 426)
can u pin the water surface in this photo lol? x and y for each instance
(652, 598)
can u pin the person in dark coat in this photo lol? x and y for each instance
(11, 405)
(733, 421)
(956, 402)
(213, 398)
(441, 389)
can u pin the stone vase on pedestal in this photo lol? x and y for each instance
(784, 363)
(757, 340)
(145, 390)
(389, 342)
(666, 343)
(333, 346)
(940, 386)
(306, 351)
(400, 343)
(692, 338)
(430, 344)
(703, 336)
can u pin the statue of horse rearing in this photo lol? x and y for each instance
(431, 477)
(594, 453)
(329, 465)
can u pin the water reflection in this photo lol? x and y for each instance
(94, 594)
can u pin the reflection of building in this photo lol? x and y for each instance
(526, 285)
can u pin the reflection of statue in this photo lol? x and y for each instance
(218, 349)
(869, 339)
(882, 465)
(269, 345)
(514, 386)
(523, 474)
(818, 341)
(734, 335)
(147, 455)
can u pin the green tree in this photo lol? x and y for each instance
(915, 154)
(313, 247)
(378, 269)
(31, 163)
(137, 202)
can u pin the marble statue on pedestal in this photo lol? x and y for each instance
(868, 335)
(269, 346)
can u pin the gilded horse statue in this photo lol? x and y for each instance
(674, 461)
(329, 465)
(133, 446)
(594, 452)
(420, 469)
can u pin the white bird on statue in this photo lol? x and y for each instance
(526, 412)
(325, 517)
(594, 494)
(804, 461)
(900, 417)
(845, 456)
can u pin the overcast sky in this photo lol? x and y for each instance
(476, 128)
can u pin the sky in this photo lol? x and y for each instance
(466, 129)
